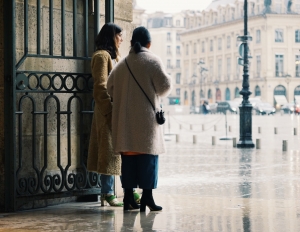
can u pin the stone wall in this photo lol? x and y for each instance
(123, 17)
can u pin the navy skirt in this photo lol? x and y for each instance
(139, 171)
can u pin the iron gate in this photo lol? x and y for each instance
(48, 100)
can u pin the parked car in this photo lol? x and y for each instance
(194, 110)
(227, 106)
(288, 108)
(213, 108)
(264, 108)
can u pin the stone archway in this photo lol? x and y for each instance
(218, 95)
(297, 94)
(227, 94)
(209, 96)
(193, 98)
(237, 92)
(257, 91)
(186, 100)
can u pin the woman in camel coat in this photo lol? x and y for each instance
(101, 156)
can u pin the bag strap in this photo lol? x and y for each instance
(139, 84)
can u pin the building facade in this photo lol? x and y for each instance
(210, 50)
(165, 29)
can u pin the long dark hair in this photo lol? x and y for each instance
(105, 40)
(140, 38)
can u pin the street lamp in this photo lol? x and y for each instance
(287, 80)
(245, 107)
(202, 69)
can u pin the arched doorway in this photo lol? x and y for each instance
(209, 96)
(297, 94)
(218, 95)
(280, 90)
(193, 98)
(186, 101)
(257, 91)
(201, 94)
(227, 94)
(279, 96)
(236, 92)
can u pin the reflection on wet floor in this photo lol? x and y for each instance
(201, 188)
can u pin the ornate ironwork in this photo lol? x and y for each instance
(48, 114)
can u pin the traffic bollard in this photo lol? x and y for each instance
(257, 143)
(194, 139)
(214, 140)
(177, 138)
(284, 145)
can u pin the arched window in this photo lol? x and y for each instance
(297, 90)
(193, 98)
(186, 101)
(297, 94)
(227, 94)
(237, 92)
(209, 95)
(257, 91)
(185, 95)
(279, 90)
(201, 94)
(218, 95)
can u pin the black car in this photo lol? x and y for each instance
(225, 106)
(264, 108)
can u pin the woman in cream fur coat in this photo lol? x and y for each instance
(135, 133)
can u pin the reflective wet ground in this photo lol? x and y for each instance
(202, 187)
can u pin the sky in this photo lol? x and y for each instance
(172, 6)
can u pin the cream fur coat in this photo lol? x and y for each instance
(101, 156)
(134, 127)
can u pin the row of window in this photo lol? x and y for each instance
(169, 37)
(279, 68)
(278, 38)
(170, 66)
(232, 13)
(177, 50)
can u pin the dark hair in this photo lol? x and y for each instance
(140, 38)
(105, 40)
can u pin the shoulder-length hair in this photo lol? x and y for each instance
(106, 39)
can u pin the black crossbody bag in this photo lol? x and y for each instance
(160, 118)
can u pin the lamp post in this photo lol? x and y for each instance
(287, 80)
(202, 69)
(246, 107)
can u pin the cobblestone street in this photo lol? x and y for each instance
(202, 187)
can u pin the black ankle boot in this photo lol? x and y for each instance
(147, 200)
(129, 202)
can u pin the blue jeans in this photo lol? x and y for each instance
(107, 184)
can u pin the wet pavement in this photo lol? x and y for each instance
(202, 187)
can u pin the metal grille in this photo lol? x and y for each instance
(51, 111)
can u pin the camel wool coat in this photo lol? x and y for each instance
(134, 126)
(101, 156)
